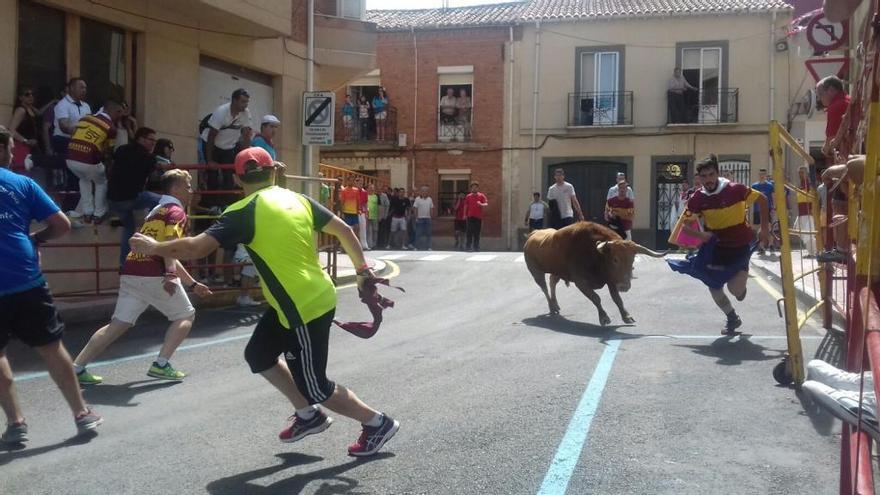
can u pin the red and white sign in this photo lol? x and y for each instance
(825, 35)
(822, 67)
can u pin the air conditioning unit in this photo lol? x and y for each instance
(401, 140)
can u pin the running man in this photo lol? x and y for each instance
(26, 308)
(277, 228)
(152, 281)
(727, 243)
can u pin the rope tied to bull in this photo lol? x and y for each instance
(375, 302)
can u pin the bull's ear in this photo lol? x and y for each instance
(601, 246)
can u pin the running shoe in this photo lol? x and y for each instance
(87, 421)
(15, 433)
(731, 325)
(300, 428)
(374, 437)
(822, 372)
(844, 405)
(86, 378)
(165, 372)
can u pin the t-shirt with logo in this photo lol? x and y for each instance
(21, 202)
(724, 211)
(166, 222)
(93, 136)
(351, 200)
(423, 206)
(562, 194)
(472, 204)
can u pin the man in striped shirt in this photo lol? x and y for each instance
(89, 146)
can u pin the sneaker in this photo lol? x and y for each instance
(844, 405)
(822, 372)
(15, 433)
(246, 302)
(374, 437)
(300, 428)
(165, 372)
(86, 378)
(731, 325)
(73, 214)
(833, 256)
(87, 421)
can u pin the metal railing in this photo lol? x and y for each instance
(455, 127)
(353, 129)
(703, 107)
(597, 109)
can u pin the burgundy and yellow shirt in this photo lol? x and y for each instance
(93, 136)
(724, 212)
(622, 209)
(166, 222)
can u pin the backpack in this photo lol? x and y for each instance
(203, 124)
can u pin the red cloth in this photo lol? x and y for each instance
(473, 209)
(376, 303)
(834, 114)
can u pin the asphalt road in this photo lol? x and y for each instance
(493, 396)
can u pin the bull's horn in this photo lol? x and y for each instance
(601, 246)
(654, 254)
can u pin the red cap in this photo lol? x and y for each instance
(255, 154)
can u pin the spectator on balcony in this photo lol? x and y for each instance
(424, 209)
(830, 92)
(269, 125)
(90, 147)
(133, 164)
(363, 108)
(348, 118)
(448, 107)
(612, 191)
(68, 111)
(463, 108)
(227, 128)
(676, 91)
(380, 112)
(620, 211)
(25, 128)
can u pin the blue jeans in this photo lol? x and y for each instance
(146, 200)
(423, 229)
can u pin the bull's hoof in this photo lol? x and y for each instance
(604, 320)
(629, 319)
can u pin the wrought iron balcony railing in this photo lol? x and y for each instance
(596, 109)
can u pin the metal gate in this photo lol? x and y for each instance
(736, 170)
(671, 179)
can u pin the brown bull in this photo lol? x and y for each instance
(586, 254)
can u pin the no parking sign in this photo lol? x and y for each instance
(825, 35)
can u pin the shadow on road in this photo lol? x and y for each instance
(122, 395)
(333, 482)
(732, 351)
(11, 452)
(821, 420)
(561, 324)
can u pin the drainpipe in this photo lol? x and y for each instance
(511, 228)
(412, 175)
(310, 86)
(535, 92)
(772, 65)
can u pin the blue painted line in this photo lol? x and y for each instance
(569, 452)
(98, 364)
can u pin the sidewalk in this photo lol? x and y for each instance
(100, 309)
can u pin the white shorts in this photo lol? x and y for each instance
(137, 293)
(347, 120)
(398, 224)
(241, 256)
(381, 115)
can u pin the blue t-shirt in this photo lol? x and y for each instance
(262, 143)
(378, 104)
(21, 202)
(765, 188)
(348, 109)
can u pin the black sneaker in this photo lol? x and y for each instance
(833, 256)
(732, 324)
(300, 428)
(374, 437)
(15, 433)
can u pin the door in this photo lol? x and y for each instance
(591, 180)
(671, 180)
(702, 69)
(599, 73)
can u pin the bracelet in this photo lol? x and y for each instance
(364, 268)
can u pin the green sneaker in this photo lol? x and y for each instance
(166, 372)
(86, 378)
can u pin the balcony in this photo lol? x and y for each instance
(703, 107)
(600, 109)
(455, 127)
(344, 49)
(366, 132)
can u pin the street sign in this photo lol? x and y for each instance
(318, 110)
(825, 35)
(822, 67)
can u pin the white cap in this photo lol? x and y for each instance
(270, 119)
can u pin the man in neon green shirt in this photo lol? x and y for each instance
(277, 226)
(372, 215)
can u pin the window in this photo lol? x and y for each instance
(704, 66)
(455, 103)
(450, 186)
(352, 9)
(41, 50)
(598, 97)
(102, 61)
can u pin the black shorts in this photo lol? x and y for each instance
(461, 225)
(30, 316)
(727, 256)
(304, 347)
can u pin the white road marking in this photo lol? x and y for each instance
(395, 256)
(435, 257)
(482, 257)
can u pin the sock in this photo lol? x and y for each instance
(376, 421)
(307, 413)
(161, 361)
(78, 369)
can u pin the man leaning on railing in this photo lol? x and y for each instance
(676, 89)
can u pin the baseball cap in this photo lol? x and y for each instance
(255, 154)
(270, 119)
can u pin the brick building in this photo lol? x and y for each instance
(419, 61)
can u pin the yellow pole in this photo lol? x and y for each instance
(795, 353)
(866, 265)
